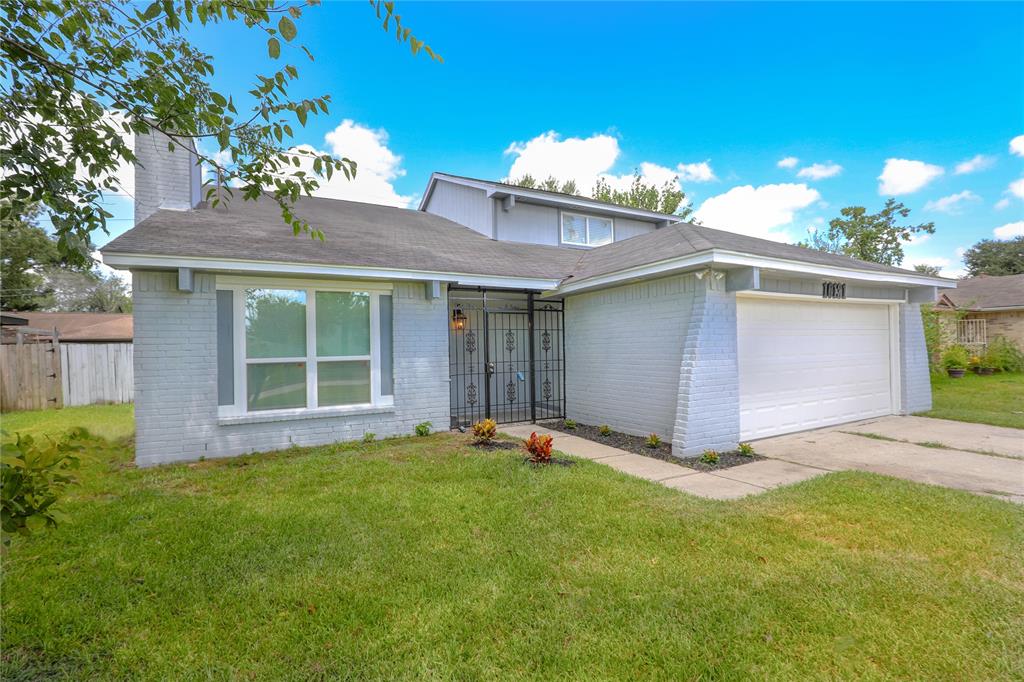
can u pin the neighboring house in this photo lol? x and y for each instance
(987, 307)
(494, 300)
(95, 365)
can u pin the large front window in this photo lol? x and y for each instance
(584, 230)
(302, 347)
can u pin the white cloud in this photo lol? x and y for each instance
(1002, 203)
(124, 275)
(820, 171)
(696, 172)
(574, 158)
(903, 176)
(1016, 188)
(974, 164)
(953, 203)
(764, 211)
(788, 162)
(378, 166)
(1009, 230)
(1017, 145)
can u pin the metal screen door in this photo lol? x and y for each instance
(505, 357)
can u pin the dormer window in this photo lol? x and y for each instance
(586, 230)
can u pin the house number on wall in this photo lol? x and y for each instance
(833, 290)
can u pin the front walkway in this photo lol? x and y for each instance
(727, 484)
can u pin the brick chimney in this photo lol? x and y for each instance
(165, 179)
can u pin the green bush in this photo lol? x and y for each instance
(569, 424)
(369, 437)
(653, 440)
(745, 449)
(423, 428)
(955, 357)
(604, 430)
(34, 474)
(709, 457)
(1003, 354)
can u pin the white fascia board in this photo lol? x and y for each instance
(718, 257)
(786, 265)
(125, 261)
(546, 197)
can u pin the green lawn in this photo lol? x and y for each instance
(997, 399)
(114, 422)
(423, 558)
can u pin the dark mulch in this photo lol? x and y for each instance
(623, 441)
(638, 445)
(725, 460)
(497, 445)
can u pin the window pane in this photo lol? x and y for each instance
(343, 383)
(275, 323)
(342, 323)
(574, 229)
(387, 362)
(600, 231)
(276, 385)
(225, 348)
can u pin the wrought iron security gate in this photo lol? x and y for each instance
(506, 356)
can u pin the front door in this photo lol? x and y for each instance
(505, 357)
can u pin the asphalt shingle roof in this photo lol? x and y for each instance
(982, 293)
(369, 235)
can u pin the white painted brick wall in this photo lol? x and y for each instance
(707, 411)
(164, 178)
(916, 386)
(176, 376)
(623, 347)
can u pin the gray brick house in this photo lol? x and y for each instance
(494, 300)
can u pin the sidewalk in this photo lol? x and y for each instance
(727, 484)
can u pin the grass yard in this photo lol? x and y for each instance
(424, 558)
(997, 399)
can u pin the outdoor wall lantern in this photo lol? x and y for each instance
(458, 319)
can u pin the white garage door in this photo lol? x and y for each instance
(805, 364)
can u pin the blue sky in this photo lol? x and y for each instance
(717, 94)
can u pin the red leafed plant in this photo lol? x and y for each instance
(539, 448)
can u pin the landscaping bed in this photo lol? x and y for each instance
(638, 445)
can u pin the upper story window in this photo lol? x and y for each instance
(295, 346)
(586, 230)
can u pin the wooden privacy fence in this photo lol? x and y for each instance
(30, 376)
(48, 374)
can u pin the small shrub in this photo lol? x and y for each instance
(955, 357)
(974, 362)
(369, 437)
(33, 477)
(569, 424)
(539, 448)
(423, 428)
(485, 431)
(709, 457)
(653, 440)
(745, 449)
(604, 430)
(1004, 354)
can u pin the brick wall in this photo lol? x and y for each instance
(164, 178)
(916, 386)
(176, 377)
(623, 348)
(708, 410)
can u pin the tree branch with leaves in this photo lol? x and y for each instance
(79, 77)
(874, 237)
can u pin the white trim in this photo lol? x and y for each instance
(637, 273)
(385, 406)
(586, 218)
(540, 196)
(135, 260)
(811, 298)
(895, 364)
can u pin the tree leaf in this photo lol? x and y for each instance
(274, 48)
(287, 29)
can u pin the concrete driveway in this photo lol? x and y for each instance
(983, 459)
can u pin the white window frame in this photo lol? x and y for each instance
(587, 218)
(238, 286)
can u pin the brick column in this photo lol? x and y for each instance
(708, 412)
(916, 385)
